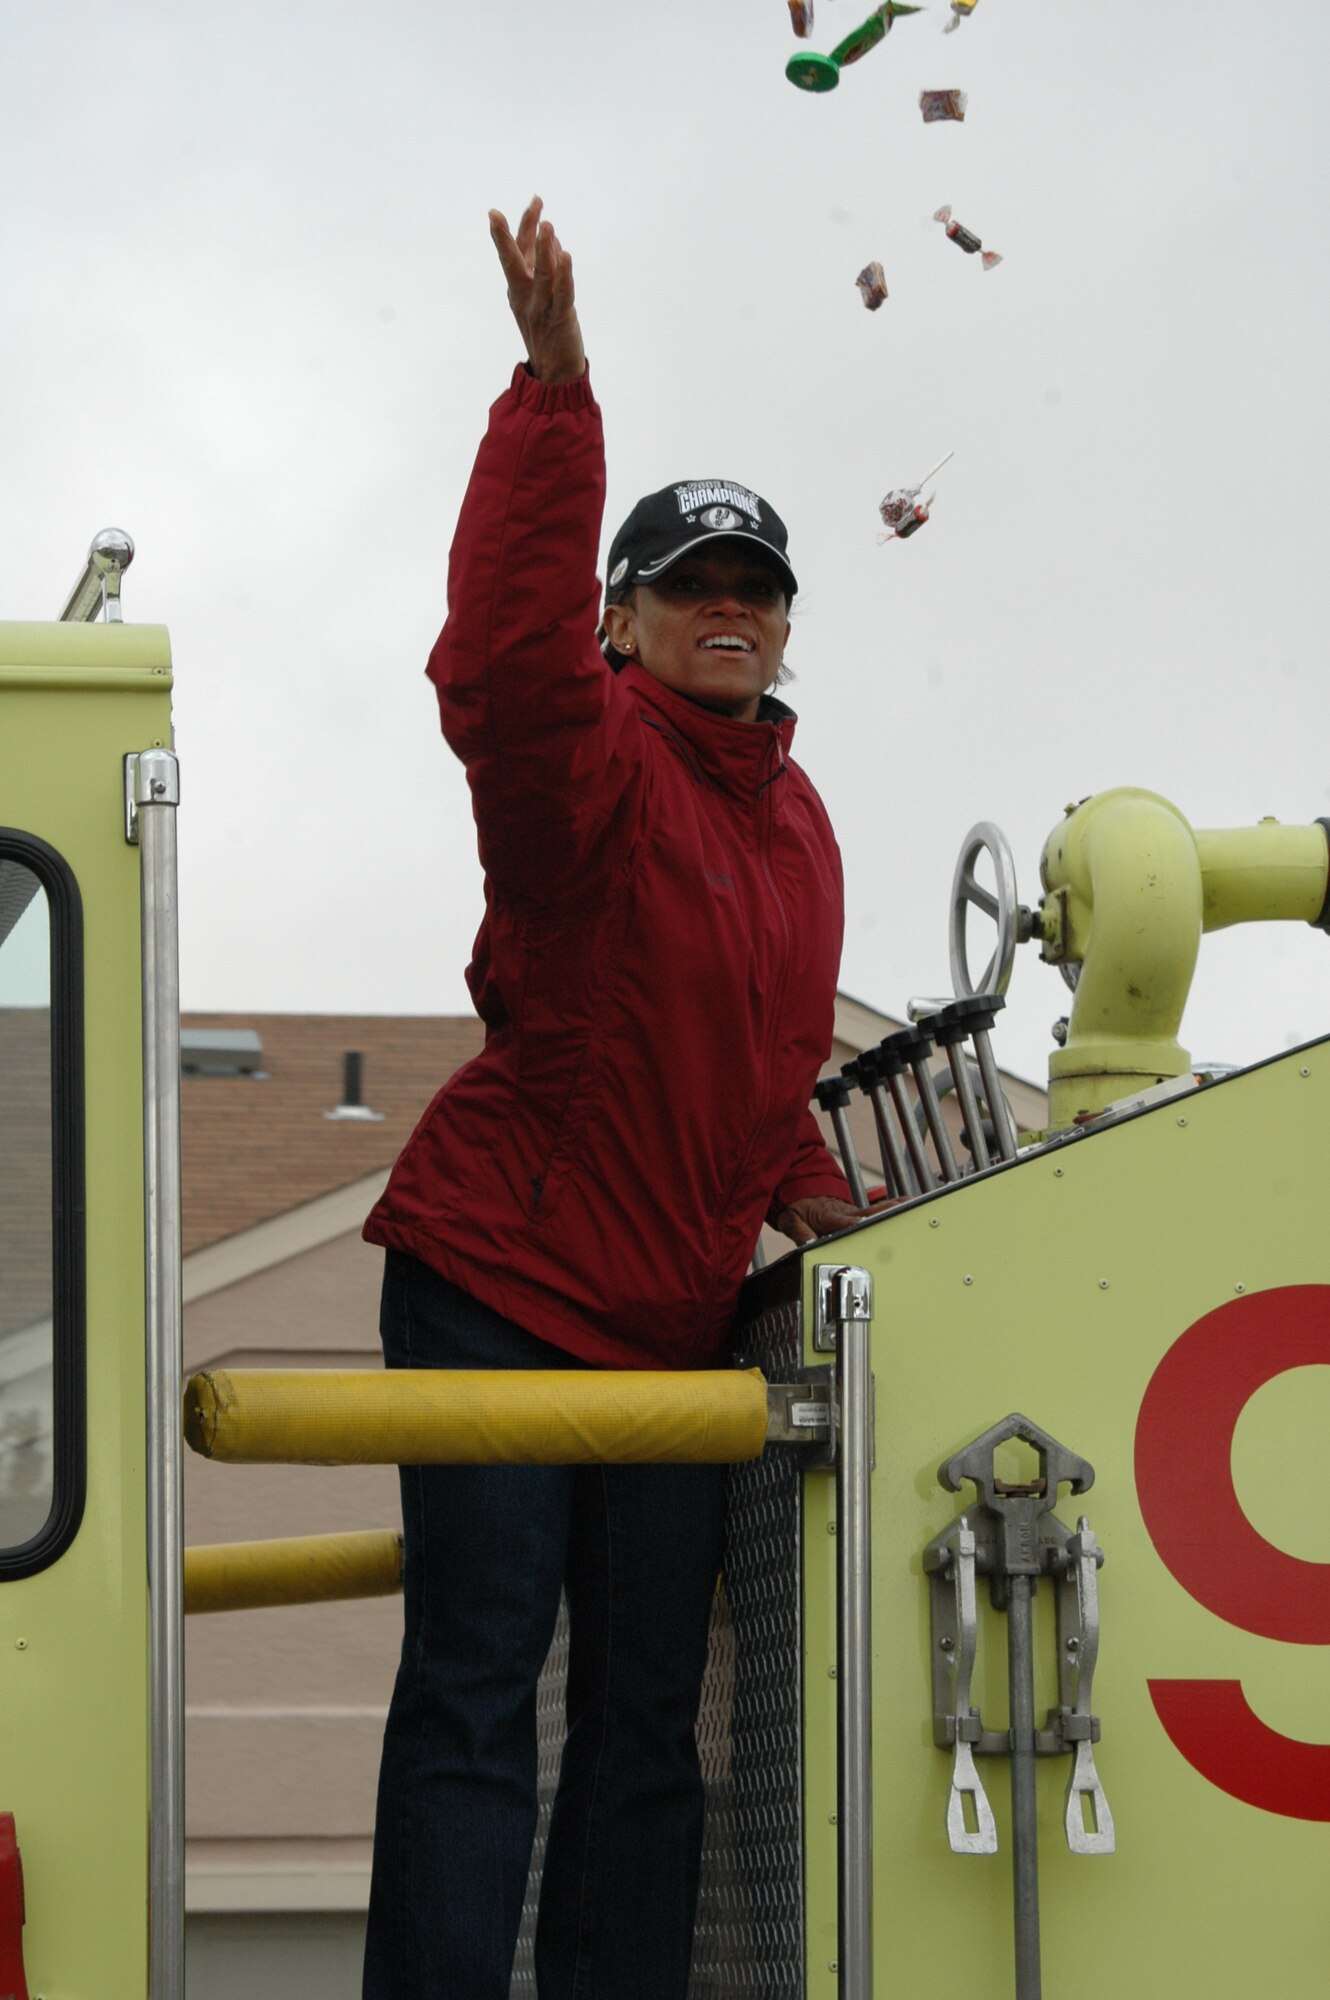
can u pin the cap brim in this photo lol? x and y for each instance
(651, 571)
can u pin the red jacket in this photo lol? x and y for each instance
(656, 969)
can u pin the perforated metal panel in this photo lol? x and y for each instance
(749, 1936)
(749, 1942)
(549, 1742)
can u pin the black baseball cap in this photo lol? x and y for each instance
(665, 525)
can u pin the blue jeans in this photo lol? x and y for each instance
(488, 1549)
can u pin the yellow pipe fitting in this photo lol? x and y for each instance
(1125, 900)
(418, 1416)
(296, 1569)
(1263, 874)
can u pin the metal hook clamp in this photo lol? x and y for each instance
(1012, 1536)
(1014, 1532)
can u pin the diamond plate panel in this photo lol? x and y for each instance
(749, 1942)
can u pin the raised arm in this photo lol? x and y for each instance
(552, 746)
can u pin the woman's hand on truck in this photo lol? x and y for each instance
(540, 291)
(823, 1214)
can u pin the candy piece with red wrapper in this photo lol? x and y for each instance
(872, 284)
(903, 511)
(801, 17)
(966, 238)
(13, 1981)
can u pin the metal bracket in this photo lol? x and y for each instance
(843, 1291)
(824, 1308)
(152, 778)
(1053, 927)
(804, 1412)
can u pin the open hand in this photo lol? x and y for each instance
(539, 272)
(823, 1214)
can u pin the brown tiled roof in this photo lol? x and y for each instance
(255, 1146)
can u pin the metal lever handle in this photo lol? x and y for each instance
(965, 1778)
(1004, 1129)
(895, 1168)
(932, 1111)
(969, 1103)
(1078, 1650)
(923, 1173)
(849, 1159)
(957, 1637)
(832, 1095)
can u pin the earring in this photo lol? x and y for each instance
(626, 647)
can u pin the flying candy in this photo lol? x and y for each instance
(814, 72)
(937, 104)
(961, 10)
(873, 284)
(966, 238)
(903, 512)
(801, 17)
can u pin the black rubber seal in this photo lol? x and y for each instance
(68, 1210)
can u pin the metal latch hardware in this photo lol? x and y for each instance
(1011, 1536)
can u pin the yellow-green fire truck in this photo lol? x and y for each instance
(1017, 1682)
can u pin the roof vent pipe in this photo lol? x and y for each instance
(351, 1109)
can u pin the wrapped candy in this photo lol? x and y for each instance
(815, 72)
(903, 511)
(966, 238)
(961, 10)
(939, 104)
(801, 17)
(872, 284)
(869, 34)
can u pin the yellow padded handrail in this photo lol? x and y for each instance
(417, 1416)
(297, 1569)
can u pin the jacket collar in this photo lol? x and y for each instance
(738, 756)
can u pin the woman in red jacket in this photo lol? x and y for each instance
(656, 972)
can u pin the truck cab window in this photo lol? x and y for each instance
(41, 1171)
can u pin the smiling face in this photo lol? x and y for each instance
(713, 627)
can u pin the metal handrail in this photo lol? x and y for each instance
(153, 790)
(98, 588)
(852, 1311)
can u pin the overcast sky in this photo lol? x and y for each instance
(251, 313)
